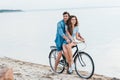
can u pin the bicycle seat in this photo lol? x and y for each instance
(52, 47)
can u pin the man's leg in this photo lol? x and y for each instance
(58, 59)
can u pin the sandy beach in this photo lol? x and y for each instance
(30, 71)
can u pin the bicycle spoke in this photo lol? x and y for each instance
(81, 61)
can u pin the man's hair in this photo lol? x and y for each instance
(66, 13)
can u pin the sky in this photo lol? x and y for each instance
(55, 4)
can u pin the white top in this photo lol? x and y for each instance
(75, 30)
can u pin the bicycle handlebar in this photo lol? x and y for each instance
(78, 42)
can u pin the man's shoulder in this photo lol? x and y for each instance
(61, 22)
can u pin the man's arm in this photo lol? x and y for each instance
(60, 31)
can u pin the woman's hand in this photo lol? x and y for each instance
(82, 40)
(74, 43)
(78, 37)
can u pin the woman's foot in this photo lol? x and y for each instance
(70, 71)
(73, 66)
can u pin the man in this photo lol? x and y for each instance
(60, 36)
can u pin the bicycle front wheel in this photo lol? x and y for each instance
(52, 58)
(84, 65)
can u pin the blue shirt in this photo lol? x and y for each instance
(59, 35)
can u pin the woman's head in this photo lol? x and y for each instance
(72, 22)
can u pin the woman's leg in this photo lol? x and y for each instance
(69, 49)
(66, 53)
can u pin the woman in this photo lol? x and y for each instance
(72, 32)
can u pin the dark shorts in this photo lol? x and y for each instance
(59, 47)
(65, 42)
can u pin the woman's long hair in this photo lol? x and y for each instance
(69, 24)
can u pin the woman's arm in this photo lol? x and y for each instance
(70, 35)
(79, 37)
(67, 32)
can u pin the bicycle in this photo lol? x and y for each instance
(84, 65)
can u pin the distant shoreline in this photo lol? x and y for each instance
(9, 10)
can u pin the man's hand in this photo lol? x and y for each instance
(68, 41)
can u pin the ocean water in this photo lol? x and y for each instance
(28, 36)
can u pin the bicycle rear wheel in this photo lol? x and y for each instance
(84, 65)
(52, 58)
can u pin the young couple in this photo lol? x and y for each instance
(67, 33)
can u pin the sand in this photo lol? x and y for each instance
(30, 71)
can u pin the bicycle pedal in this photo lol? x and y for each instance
(62, 62)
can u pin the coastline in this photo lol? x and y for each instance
(9, 10)
(31, 71)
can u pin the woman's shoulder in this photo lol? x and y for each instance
(76, 29)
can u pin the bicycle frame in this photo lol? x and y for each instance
(75, 53)
(78, 56)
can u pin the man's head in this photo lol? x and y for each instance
(66, 16)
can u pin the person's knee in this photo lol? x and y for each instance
(59, 55)
(68, 46)
(64, 49)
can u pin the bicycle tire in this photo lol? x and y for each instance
(60, 66)
(82, 61)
